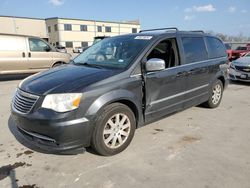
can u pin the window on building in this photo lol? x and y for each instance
(69, 44)
(215, 47)
(134, 30)
(67, 27)
(49, 29)
(99, 28)
(108, 29)
(83, 27)
(55, 27)
(37, 45)
(85, 44)
(194, 48)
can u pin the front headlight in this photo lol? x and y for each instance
(62, 102)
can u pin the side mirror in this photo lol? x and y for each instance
(47, 48)
(155, 64)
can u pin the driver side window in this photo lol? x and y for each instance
(167, 51)
(37, 45)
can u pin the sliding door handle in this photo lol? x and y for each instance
(23, 54)
(29, 54)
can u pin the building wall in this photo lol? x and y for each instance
(23, 26)
(53, 36)
(76, 36)
(39, 28)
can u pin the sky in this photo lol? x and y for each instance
(222, 16)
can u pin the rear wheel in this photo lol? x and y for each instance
(114, 129)
(215, 95)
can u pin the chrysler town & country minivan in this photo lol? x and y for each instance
(117, 85)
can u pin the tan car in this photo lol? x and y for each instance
(26, 54)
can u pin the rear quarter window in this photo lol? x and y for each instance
(215, 47)
(194, 49)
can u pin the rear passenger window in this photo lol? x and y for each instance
(215, 47)
(194, 48)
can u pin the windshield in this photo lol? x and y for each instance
(114, 52)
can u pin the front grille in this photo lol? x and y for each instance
(24, 102)
(243, 69)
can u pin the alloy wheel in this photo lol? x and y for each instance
(217, 91)
(116, 130)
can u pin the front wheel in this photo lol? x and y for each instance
(114, 129)
(215, 95)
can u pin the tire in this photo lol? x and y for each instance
(215, 95)
(108, 138)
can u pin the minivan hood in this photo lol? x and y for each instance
(65, 79)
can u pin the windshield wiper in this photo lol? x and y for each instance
(89, 65)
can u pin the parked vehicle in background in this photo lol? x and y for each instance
(238, 52)
(240, 69)
(27, 54)
(117, 85)
(78, 49)
(246, 54)
(82, 49)
(61, 48)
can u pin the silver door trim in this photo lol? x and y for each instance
(179, 94)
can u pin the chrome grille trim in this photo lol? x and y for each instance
(23, 102)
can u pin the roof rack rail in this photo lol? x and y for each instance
(198, 31)
(159, 29)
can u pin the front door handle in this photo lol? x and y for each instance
(29, 54)
(23, 54)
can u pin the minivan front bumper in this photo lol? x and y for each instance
(57, 135)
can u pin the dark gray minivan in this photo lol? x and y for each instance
(118, 85)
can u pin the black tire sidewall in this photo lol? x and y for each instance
(97, 139)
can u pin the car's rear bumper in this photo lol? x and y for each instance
(55, 136)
